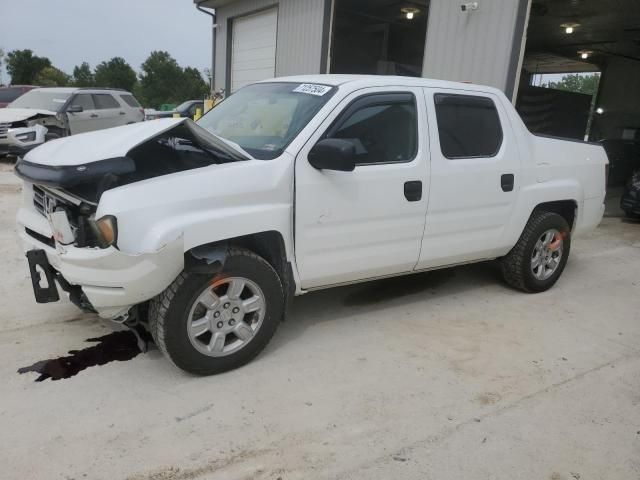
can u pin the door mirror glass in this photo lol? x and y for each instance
(333, 154)
(74, 108)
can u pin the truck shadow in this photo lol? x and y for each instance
(308, 310)
(363, 298)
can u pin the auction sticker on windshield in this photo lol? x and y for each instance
(312, 89)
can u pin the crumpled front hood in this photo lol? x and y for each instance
(10, 115)
(91, 163)
(99, 145)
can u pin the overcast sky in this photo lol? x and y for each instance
(72, 31)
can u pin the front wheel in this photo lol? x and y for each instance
(538, 259)
(207, 324)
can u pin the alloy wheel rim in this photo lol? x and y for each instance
(547, 254)
(226, 315)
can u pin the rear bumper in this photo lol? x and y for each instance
(111, 281)
(590, 215)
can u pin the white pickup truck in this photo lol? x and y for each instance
(204, 232)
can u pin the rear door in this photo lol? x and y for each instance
(369, 222)
(475, 177)
(86, 120)
(110, 112)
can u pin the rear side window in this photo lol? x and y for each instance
(468, 126)
(130, 100)
(104, 100)
(83, 100)
(383, 128)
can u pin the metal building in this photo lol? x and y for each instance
(260, 38)
(503, 43)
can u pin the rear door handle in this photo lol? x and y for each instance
(93, 115)
(506, 182)
(413, 190)
(122, 113)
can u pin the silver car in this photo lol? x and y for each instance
(44, 114)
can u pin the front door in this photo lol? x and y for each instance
(87, 119)
(475, 177)
(369, 222)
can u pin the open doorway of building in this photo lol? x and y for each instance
(562, 104)
(383, 37)
(568, 42)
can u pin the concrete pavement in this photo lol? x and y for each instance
(447, 375)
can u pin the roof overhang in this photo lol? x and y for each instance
(213, 3)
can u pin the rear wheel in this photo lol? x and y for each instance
(208, 324)
(538, 259)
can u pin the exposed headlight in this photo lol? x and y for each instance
(26, 137)
(107, 230)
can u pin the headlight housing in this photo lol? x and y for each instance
(26, 136)
(106, 229)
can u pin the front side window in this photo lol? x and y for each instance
(83, 100)
(383, 128)
(264, 118)
(468, 126)
(104, 100)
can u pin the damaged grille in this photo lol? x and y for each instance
(43, 202)
(79, 213)
(4, 128)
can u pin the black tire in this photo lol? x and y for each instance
(634, 216)
(169, 312)
(516, 265)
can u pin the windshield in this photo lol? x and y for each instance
(41, 100)
(264, 118)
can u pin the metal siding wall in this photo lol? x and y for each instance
(470, 46)
(299, 39)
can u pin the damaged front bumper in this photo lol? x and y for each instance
(107, 280)
(18, 141)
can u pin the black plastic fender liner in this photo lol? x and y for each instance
(206, 259)
(71, 175)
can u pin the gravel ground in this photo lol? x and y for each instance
(447, 375)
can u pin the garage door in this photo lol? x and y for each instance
(253, 50)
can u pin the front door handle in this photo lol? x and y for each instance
(413, 190)
(93, 115)
(506, 182)
(122, 113)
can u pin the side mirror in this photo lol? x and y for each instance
(74, 109)
(333, 154)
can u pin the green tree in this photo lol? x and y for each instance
(193, 85)
(52, 77)
(1, 64)
(577, 83)
(160, 80)
(24, 66)
(83, 76)
(116, 73)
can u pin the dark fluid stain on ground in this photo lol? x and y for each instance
(392, 288)
(120, 346)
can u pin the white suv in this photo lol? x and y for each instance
(47, 113)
